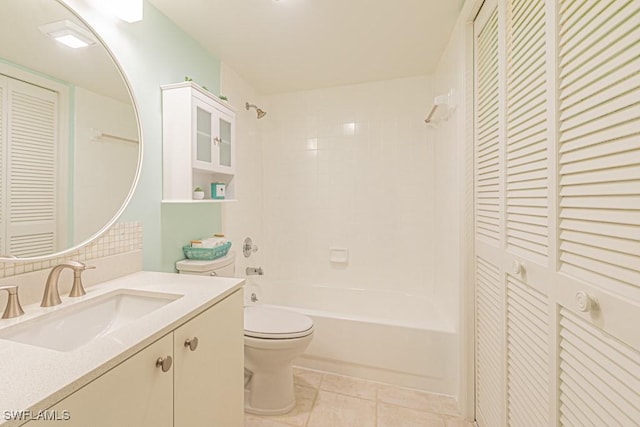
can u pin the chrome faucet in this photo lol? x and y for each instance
(13, 308)
(51, 295)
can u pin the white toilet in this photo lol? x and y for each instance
(273, 338)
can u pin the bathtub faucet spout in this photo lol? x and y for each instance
(252, 271)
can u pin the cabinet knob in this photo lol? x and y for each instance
(192, 343)
(217, 140)
(164, 363)
(586, 302)
(213, 273)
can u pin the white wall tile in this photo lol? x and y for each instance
(370, 186)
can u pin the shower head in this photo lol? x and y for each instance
(261, 113)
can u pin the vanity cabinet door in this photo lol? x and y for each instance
(135, 393)
(209, 377)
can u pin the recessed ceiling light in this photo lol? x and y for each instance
(68, 33)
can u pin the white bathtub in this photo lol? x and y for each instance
(383, 336)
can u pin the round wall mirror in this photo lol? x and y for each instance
(70, 146)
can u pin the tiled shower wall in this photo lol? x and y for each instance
(351, 167)
(121, 238)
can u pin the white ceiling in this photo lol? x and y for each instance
(289, 45)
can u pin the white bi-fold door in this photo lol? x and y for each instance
(557, 213)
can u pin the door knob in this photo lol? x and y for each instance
(586, 302)
(164, 363)
(517, 267)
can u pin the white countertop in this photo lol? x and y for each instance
(35, 378)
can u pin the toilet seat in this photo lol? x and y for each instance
(273, 323)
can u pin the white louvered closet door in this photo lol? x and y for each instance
(29, 169)
(488, 195)
(599, 213)
(557, 213)
(527, 211)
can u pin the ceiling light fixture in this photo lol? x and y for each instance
(68, 33)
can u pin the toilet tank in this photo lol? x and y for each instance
(221, 267)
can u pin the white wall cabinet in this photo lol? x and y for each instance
(557, 213)
(203, 386)
(198, 142)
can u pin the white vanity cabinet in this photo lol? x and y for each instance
(134, 393)
(209, 380)
(202, 387)
(198, 142)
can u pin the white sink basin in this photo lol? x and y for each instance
(72, 327)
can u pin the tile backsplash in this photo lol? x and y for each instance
(121, 238)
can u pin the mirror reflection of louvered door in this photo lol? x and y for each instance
(28, 163)
(557, 213)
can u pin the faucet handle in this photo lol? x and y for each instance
(13, 308)
(75, 265)
(77, 290)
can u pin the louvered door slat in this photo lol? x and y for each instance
(603, 229)
(616, 104)
(626, 144)
(603, 241)
(599, 172)
(603, 31)
(618, 69)
(530, 84)
(526, 130)
(599, 135)
(600, 371)
(523, 415)
(526, 116)
(574, 385)
(600, 379)
(527, 143)
(487, 156)
(527, 348)
(529, 228)
(570, 9)
(488, 378)
(594, 23)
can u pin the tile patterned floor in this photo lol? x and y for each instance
(328, 400)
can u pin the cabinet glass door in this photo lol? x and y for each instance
(204, 136)
(225, 142)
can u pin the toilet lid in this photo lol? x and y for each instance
(274, 323)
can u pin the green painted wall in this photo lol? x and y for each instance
(151, 53)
